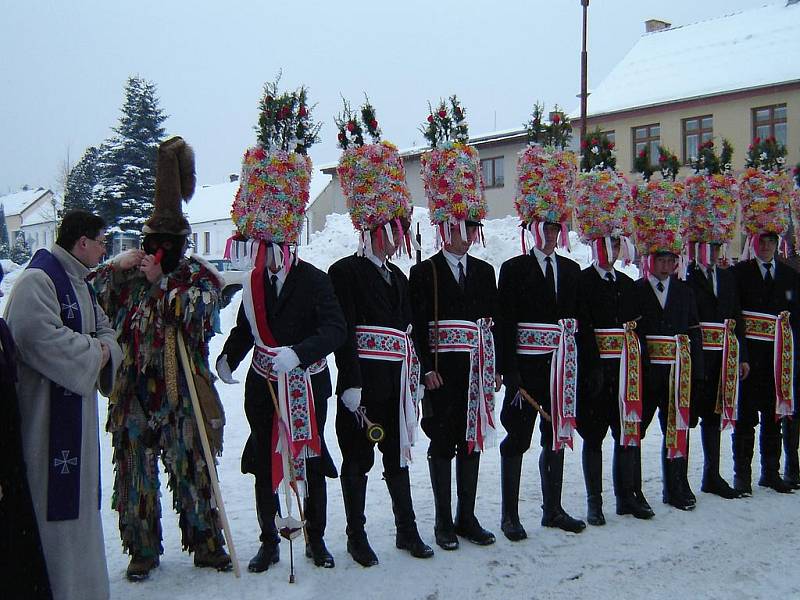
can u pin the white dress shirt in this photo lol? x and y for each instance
(382, 267)
(662, 296)
(763, 269)
(713, 270)
(540, 256)
(603, 272)
(453, 260)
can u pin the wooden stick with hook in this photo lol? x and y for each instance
(529, 399)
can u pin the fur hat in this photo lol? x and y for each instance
(175, 181)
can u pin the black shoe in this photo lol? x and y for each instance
(742, 487)
(215, 559)
(358, 547)
(513, 530)
(630, 505)
(318, 552)
(446, 539)
(140, 566)
(594, 513)
(409, 540)
(793, 482)
(268, 554)
(776, 483)
(475, 533)
(719, 487)
(562, 520)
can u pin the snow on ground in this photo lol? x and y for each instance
(723, 549)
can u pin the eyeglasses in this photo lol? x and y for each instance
(102, 241)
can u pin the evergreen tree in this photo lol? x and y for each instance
(81, 181)
(4, 246)
(126, 164)
(20, 252)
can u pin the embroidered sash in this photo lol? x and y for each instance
(384, 343)
(546, 338)
(769, 328)
(66, 410)
(295, 429)
(623, 344)
(721, 337)
(675, 351)
(477, 339)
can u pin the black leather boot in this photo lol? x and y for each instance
(713, 483)
(444, 530)
(592, 459)
(742, 442)
(467, 525)
(266, 508)
(625, 484)
(673, 492)
(510, 471)
(407, 537)
(636, 468)
(551, 470)
(316, 518)
(771, 464)
(684, 475)
(791, 440)
(354, 494)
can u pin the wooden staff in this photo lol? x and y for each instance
(529, 399)
(207, 454)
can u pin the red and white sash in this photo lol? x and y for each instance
(385, 343)
(675, 351)
(623, 344)
(296, 428)
(546, 338)
(477, 339)
(721, 337)
(769, 328)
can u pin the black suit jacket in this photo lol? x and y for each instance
(679, 316)
(366, 299)
(478, 300)
(521, 301)
(716, 308)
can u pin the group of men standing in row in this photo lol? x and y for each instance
(562, 340)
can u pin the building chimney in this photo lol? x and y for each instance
(233, 177)
(655, 25)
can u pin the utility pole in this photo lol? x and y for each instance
(584, 70)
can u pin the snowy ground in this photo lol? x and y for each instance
(723, 549)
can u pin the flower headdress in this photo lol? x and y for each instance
(657, 208)
(709, 215)
(273, 191)
(546, 177)
(451, 171)
(373, 180)
(765, 193)
(601, 201)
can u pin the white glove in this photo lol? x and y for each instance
(351, 398)
(285, 360)
(224, 370)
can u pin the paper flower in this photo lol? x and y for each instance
(709, 210)
(765, 196)
(601, 205)
(657, 208)
(373, 181)
(546, 180)
(451, 175)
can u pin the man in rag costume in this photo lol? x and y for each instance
(66, 352)
(156, 296)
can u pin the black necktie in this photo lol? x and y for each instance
(768, 274)
(549, 276)
(710, 276)
(660, 286)
(609, 278)
(273, 291)
(462, 279)
(387, 274)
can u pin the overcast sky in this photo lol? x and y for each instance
(64, 65)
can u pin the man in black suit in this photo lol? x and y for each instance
(374, 296)
(537, 288)
(447, 290)
(717, 298)
(668, 314)
(769, 287)
(291, 315)
(605, 305)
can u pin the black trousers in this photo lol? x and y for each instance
(596, 414)
(444, 410)
(519, 418)
(704, 400)
(380, 396)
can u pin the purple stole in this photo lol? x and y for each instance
(64, 458)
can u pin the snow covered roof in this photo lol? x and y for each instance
(43, 214)
(14, 204)
(739, 51)
(213, 202)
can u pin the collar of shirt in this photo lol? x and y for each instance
(281, 275)
(376, 262)
(763, 269)
(540, 256)
(602, 272)
(704, 270)
(453, 260)
(654, 281)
